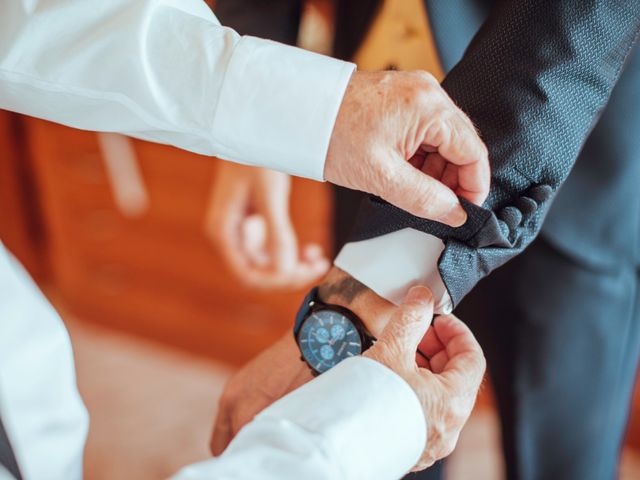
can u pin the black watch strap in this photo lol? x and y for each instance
(309, 300)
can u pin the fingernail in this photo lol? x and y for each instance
(456, 217)
(419, 294)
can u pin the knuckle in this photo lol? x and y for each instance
(439, 128)
(455, 128)
(449, 447)
(424, 97)
(424, 463)
(386, 174)
(426, 77)
(425, 87)
(427, 200)
(412, 316)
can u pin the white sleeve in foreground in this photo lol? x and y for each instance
(168, 72)
(359, 420)
(393, 263)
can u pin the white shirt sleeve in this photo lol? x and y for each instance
(167, 71)
(359, 420)
(4, 475)
(393, 263)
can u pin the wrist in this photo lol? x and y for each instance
(339, 288)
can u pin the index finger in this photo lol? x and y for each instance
(466, 365)
(222, 434)
(458, 142)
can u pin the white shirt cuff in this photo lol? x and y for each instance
(393, 263)
(278, 106)
(371, 420)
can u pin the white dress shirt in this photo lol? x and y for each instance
(167, 71)
(41, 408)
(357, 421)
(393, 263)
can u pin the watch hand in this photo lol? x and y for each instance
(318, 338)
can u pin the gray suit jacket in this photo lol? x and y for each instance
(534, 79)
(533, 75)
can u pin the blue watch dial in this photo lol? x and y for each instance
(326, 338)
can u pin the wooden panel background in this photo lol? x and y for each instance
(156, 275)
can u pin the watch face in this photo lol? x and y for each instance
(326, 338)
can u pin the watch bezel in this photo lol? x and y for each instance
(313, 306)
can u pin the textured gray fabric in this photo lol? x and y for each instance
(7, 458)
(594, 220)
(534, 81)
(596, 214)
(484, 228)
(564, 331)
(562, 343)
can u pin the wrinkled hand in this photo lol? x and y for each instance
(268, 377)
(448, 386)
(393, 125)
(248, 220)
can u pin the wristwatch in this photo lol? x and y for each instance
(327, 334)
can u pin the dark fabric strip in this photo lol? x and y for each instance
(7, 458)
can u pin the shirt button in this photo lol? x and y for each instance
(511, 216)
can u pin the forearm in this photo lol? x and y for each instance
(340, 288)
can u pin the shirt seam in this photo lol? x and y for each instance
(118, 98)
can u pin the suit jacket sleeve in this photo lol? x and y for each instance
(534, 80)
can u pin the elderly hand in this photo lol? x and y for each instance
(265, 379)
(398, 135)
(448, 387)
(248, 220)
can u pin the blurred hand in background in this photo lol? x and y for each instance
(248, 221)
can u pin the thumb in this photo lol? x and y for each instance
(423, 196)
(408, 325)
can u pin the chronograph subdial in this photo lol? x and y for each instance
(326, 338)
